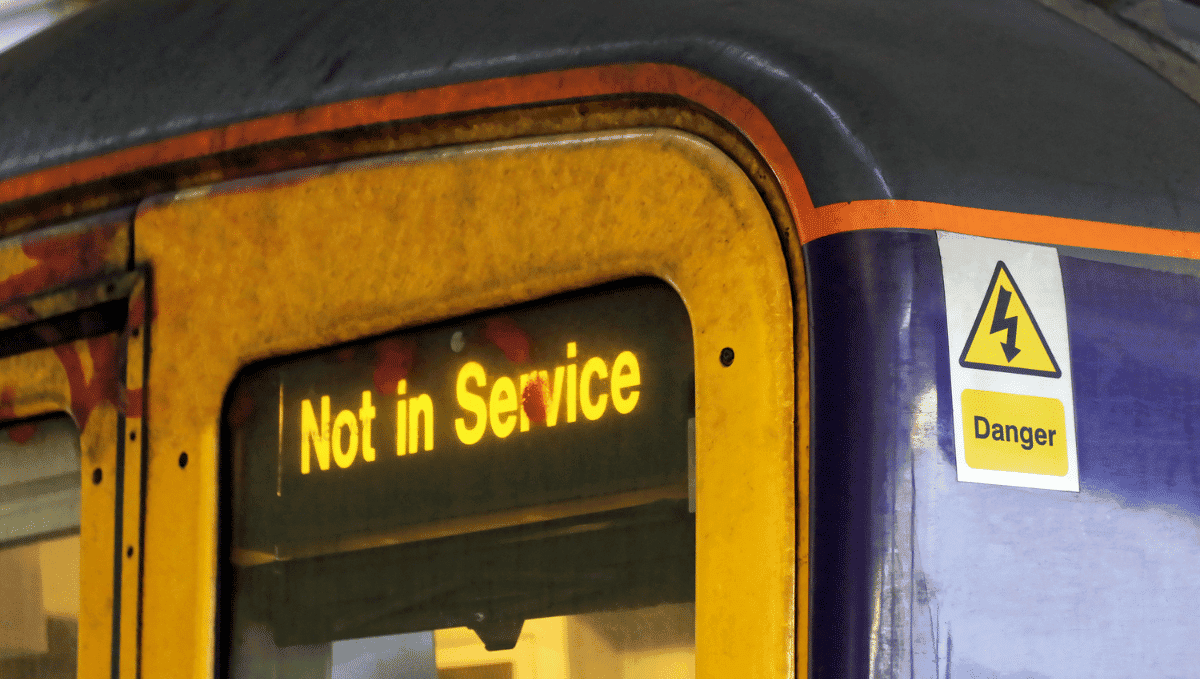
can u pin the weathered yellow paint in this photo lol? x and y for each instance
(131, 506)
(51, 272)
(262, 270)
(38, 385)
(34, 268)
(96, 537)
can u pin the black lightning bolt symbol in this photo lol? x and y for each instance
(999, 322)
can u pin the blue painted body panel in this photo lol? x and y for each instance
(917, 574)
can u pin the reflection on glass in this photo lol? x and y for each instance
(655, 641)
(563, 550)
(39, 566)
(651, 642)
(39, 609)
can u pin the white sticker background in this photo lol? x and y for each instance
(968, 263)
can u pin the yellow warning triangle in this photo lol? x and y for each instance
(1005, 337)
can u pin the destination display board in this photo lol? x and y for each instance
(568, 398)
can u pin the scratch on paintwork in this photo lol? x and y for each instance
(949, 650)
(393, 360)
(533, 400)
(511, 339)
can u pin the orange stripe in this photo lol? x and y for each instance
(911, 214)
(529, 89)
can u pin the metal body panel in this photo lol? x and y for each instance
(1002, 105)
(413, 239)
(37, 383)
(72, 271)
(916, 572)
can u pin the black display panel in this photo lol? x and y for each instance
(564, 399)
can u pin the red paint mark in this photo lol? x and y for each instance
(533, 400)
(512, 340)
(393, 360)
(133, 402)
(105, 384)
(59, 260)
(137, 313)
(19, 433)
(241, 409)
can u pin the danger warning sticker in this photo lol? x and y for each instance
(1005, 311)
(1006, 322)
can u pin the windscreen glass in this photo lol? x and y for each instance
(502, 495)
(39, 549)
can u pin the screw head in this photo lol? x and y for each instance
(727, 357)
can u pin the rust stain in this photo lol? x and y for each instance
(533, 401)
(59, 260)
(393, 360)
(21, 313)
(511, 339)
(20, 433)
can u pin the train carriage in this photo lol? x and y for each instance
(514, 339)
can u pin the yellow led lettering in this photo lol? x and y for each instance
(401, 417)
(345, 419)
(592, 409)
(418, 407)
(625, 375)
(572, 398)
(555, 395)
(313, 437)
(503, 402)
(472, 403)
(366, 414)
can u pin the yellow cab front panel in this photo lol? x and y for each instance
(70, 390)
(288, 264)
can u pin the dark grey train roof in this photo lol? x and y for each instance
(998, 104)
